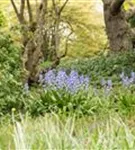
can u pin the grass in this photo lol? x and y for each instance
(108, 123)
(68, 132)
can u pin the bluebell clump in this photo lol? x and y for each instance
(71, 83)
(127, 80)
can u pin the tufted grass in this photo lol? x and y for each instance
(68, 132)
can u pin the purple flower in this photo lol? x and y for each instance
(131, 80)
(61, 79)
(73, 73)
(125, 81)
(72, 83)
(50, 78)
(109, 83)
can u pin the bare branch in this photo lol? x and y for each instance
(19, 14)
(63, 6)
(59, 11)
(68, 23)
(42, 10)
(29, 11)
(55, 7)
(22, 6)
(116, 5)
(66, 45)
(15, 9)
(67, 38)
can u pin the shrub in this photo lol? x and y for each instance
(94, 100)
(10, 85)
(2, 19)
(109, 66)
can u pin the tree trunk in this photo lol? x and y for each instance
(40, 36)
(117, 28)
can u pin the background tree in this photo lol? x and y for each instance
(118, 30)
(88, 36)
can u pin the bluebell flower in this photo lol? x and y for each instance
(73, 74)
(131, 80)
(109, 84)
(61, 79)
(50, 78)
(125, 81)
(81, 78)
(72, 83)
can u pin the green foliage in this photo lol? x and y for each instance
(95, 102)
(46, 64)
(61, 132)
(124, 100)
(88, 29)
(10, 85)
(2, 19)
(107, 66)
(39, 102)
(60, 101)
(129, 4)
(132, 21)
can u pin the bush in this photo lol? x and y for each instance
(91, 103)
(97, 99)
(99, 67)
(110, 95)
(2, 19)
(62, 102)
(10, 85)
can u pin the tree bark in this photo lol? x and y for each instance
(117, 28)
(40, 36)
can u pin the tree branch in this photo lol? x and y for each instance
(29, 11)
(62, 7)
(54, 5)
(59, 11)
(42, 10)
(66, 45)
(21, 13)
(15, 9)
(67, 38)
(22, 6)
(115, 6)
